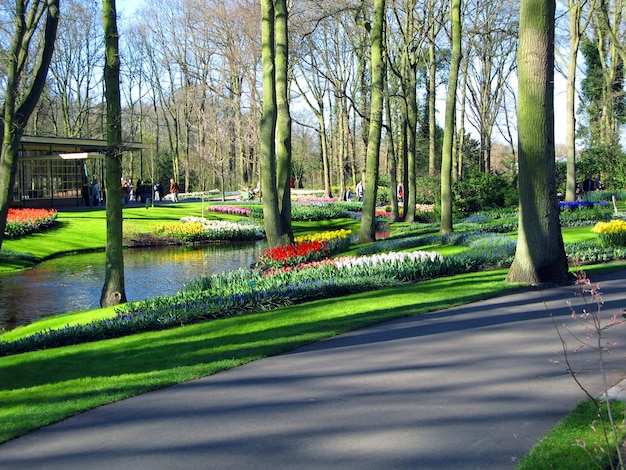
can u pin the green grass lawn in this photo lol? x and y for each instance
(42, 387)
(557, 450)
(85, 229)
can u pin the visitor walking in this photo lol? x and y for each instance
(174, 190)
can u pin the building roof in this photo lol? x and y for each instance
(54, 147)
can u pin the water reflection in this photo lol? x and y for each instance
(73, 283)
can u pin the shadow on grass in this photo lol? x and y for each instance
(264, 334)
(97, 373)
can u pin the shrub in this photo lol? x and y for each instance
(479, 191)
(428, 189)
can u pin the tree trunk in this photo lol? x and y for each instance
(392, 162)
(271, 211)
(367, 232)
(19, 104)
(113, 291)
(449, 129)
(540, 255)
(575, 11)
(432, 105)
(283, 118)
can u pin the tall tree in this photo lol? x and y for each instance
(23, 85)
(74, 71)
(410, 37)
(493, 48)
(367, 232)
(273, 15)
(577, 26)
(113, 291)
(450, 128)
(602, 93)
(540, 254)
(434, 17)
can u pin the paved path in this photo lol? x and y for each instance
(467, 388)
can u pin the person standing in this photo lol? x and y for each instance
(597, 184)
(96, 192)
(359, 190)
(174, 190)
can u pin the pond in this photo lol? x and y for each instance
(73, 283)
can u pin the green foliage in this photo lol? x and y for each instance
(561, 178)
(597, 196)
(383, 196)
(591, 252)
(606, 160)
(586, 215)
(428, 189)
(482, 191)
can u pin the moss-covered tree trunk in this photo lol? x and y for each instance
(283, 119)
(274, 230)
(113, 291)
(540, 255)
(450, 128)
(367, 232)
(23, 83)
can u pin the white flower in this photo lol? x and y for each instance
(388, 258)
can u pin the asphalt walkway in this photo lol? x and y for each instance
(473, 387)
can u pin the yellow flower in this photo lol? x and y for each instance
(613, 227)
(611, 233)
(323, 236)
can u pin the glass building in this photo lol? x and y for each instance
(60, 171)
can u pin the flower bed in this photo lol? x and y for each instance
(310, 212)
(292, 255)
(232, 210)
(239, 292)
(252, 290)
(338, 240)
(22, 222)
(197, 229)
(611, 233)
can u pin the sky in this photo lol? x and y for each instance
(127, 7)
